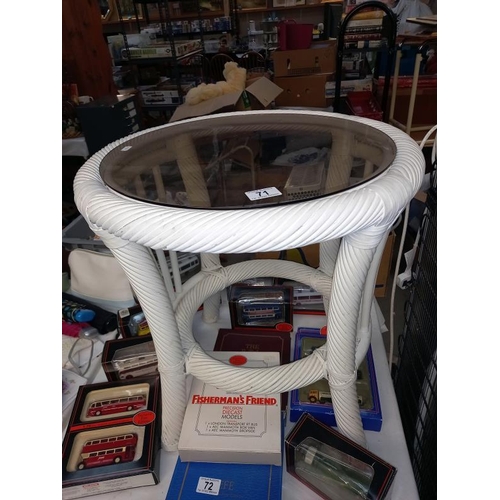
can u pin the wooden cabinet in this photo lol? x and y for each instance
(87, 63)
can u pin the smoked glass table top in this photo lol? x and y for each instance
(247, 161)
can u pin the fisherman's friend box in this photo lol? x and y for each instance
(113, 438)
(221, 426)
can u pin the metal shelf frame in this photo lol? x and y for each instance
(389, 47)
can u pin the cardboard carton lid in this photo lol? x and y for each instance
(205, 107)
(263, 90)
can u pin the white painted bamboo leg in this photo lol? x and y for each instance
(149, 287)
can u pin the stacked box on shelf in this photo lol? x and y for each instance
(182, 48)
(166, 93)
(304, 73)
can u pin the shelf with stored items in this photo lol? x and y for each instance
(177, 10)
(163, 55)
(368, 29)
(251, 7)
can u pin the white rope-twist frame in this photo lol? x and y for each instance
(360, 216)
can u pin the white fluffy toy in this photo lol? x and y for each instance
(235, 82)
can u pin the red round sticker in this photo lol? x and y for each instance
(284, 327)
(323, 330)
(144, 417)
(238, 360)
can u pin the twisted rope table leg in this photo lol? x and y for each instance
(211, 306)
(328, 252)
(145, 278)
(348, 284)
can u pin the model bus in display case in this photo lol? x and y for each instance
(146, 364)
(258, 308)
(108, 451)
(116, 405)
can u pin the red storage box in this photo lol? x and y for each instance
(364, 104)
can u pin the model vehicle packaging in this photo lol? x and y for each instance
(112, 441)
(128, 358)
(316, 399)
(306, 300)
(220, 426)
(192, 480)
(260, 306)
(333, 466)
(257, 341)
(132, 322)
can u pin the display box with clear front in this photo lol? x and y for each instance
(306, 300)
(333, 466)
(315, 398)
(260, 306)
(132, 322)
(128, 358)
(113, 438)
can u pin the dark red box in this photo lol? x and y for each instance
(257, 340)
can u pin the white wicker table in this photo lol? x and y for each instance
(177, 188)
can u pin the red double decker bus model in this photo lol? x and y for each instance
(108, 451)
(116, 405)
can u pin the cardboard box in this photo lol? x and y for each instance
(334, 466)
(315, 398)
(311, 253)
(259, 95)
(112, 441)
(165, 93)
(195, 480)
(425, 110)
(225, 427)
(307, 91)
(319, 58)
